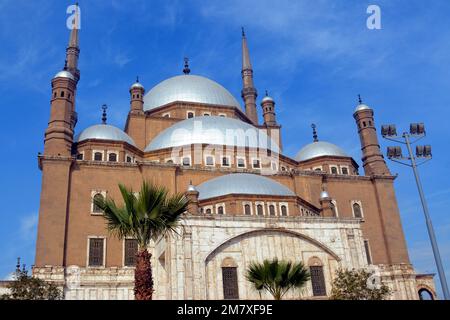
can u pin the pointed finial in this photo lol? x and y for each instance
(243, 32)
(104, 107)
(65, 65)
(267, 93)
(24, 269)
(359, 99)
(18, 265)
(137, 79)
(186, 69)
(313, 126)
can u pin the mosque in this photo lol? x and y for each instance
(249, 200)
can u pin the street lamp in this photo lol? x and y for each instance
(417, 132)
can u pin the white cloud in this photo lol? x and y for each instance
(28, 226)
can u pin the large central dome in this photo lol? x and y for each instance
(188, 88)
(213, 130)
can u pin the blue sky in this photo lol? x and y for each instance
(314, 57)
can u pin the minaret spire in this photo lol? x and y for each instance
(249, 92)
(73, 48)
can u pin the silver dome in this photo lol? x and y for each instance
(105, 132)
(64, 74)
(188, 88)
(212, 130)
(242, 183)
(318, 149)
(137, 85)
(324, 195)
(362, 107)
(267, 98)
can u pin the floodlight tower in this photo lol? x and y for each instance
(417, 132)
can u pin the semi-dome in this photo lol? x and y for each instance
(242, 183)
(212, 130)
(104, 132)
(189, 88)
(319, 149)
(64, 74)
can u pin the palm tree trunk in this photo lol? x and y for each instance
(143, 281)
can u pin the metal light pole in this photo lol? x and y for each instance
(417, 130)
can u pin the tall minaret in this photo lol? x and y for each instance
(73, 49)
(63, 118)
(373, 160)
(249, 93)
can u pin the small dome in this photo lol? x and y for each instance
(137, 85)
(189, 88)
(191, 188)
(324, 195)
(242, 183)
(318, 149)
(212, 130)
(267, 98)
(362, 106)
(104, 132)
(64, 74)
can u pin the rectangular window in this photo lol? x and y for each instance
(225, 161)
(131, 249)
(230, 283)
(256, 164)
(318, 281)
(344, 170)
(96, 247)
(210, 161)
(367, 248)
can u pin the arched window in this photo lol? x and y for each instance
(190, 115)
(208, 211)
(98, 156)
(272, 210)
(112, 157)
(247, 210)
(95, 207)
(334, 208)
(259, 210)
(129, 159)
(241, 162)
(283, 210)
(334, 170)
(357, 213)
(220, 210)
(62, 94)
(424, 294)
(80, 156)
(344, 170)
(186, 161)
(317, 281)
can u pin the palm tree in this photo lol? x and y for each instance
(277, 277)
(146, 216)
